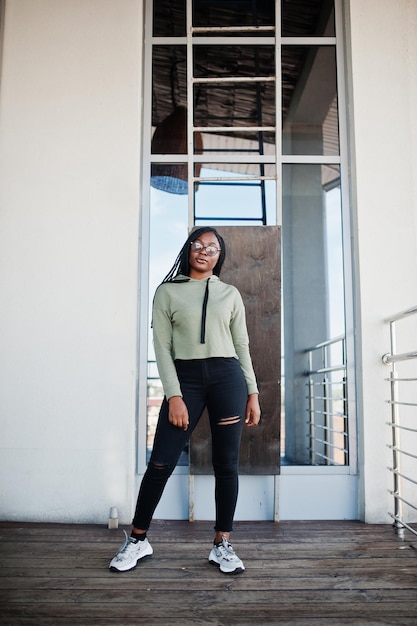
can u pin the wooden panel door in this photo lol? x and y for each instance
(253, 265)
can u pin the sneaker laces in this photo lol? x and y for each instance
(126, 547)
(226, 550)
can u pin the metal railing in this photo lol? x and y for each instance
(403, 424)
(154, 401)
(328, 434)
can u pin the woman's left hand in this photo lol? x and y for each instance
(253, 410)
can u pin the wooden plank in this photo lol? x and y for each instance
(197, 579)
(209, 609)
(297, 573)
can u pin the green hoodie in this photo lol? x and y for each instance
(199, 319)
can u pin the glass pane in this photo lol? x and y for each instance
(314, 313)
(169, 81)
(312, 211)
(238, 143)
(169, 18)
(168, 231)
(309, 100)
(169, 117)
(170, 177)
(235, 104)
(226, 102)
(314, 18)
(225, 61)
(235, 201)
(233, 13)
(334, 258)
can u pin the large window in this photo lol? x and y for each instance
(242, 126)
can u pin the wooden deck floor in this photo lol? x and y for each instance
(308, 573)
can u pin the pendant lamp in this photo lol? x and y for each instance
(170, 137)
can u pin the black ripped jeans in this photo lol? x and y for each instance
(218, 384)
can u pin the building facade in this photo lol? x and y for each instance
(76, 220)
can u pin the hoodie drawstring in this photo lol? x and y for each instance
(204, 314)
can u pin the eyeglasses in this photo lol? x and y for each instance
(196, 246)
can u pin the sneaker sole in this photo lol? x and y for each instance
(122, 571)
(238, 570)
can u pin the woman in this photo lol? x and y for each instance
(202, 353)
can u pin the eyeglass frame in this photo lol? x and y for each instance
(197, 243)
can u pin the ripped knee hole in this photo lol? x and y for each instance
(226, 421)
(159, 466)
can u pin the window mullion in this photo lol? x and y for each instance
(278, 113)
(190, 114)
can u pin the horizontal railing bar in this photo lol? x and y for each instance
(398, 497)
(401, 315)
(327, 398)
(327, 458)
(325, 370)
(327, 443)
(409, 454)
(400, 402)
(397, 473)
(401, 380)
(328, 382)
(327, 429)
(324, 427)
(333, 431)
(395, 358)
(322, 384)
(392, 425)
(323, 344)
(328, 413)
(397, 518)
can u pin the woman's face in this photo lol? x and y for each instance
(201, 263)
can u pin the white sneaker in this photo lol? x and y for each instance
(225, 558)
(130, 553)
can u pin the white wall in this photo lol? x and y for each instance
(69, 163)
(383, 63)
(69, 198)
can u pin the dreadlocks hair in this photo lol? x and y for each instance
(182, 262)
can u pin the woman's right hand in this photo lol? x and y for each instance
(178, 412)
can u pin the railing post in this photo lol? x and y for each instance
(311, 407)
(326, 407)
(345, 421)
(396, 459)
(395, 438)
